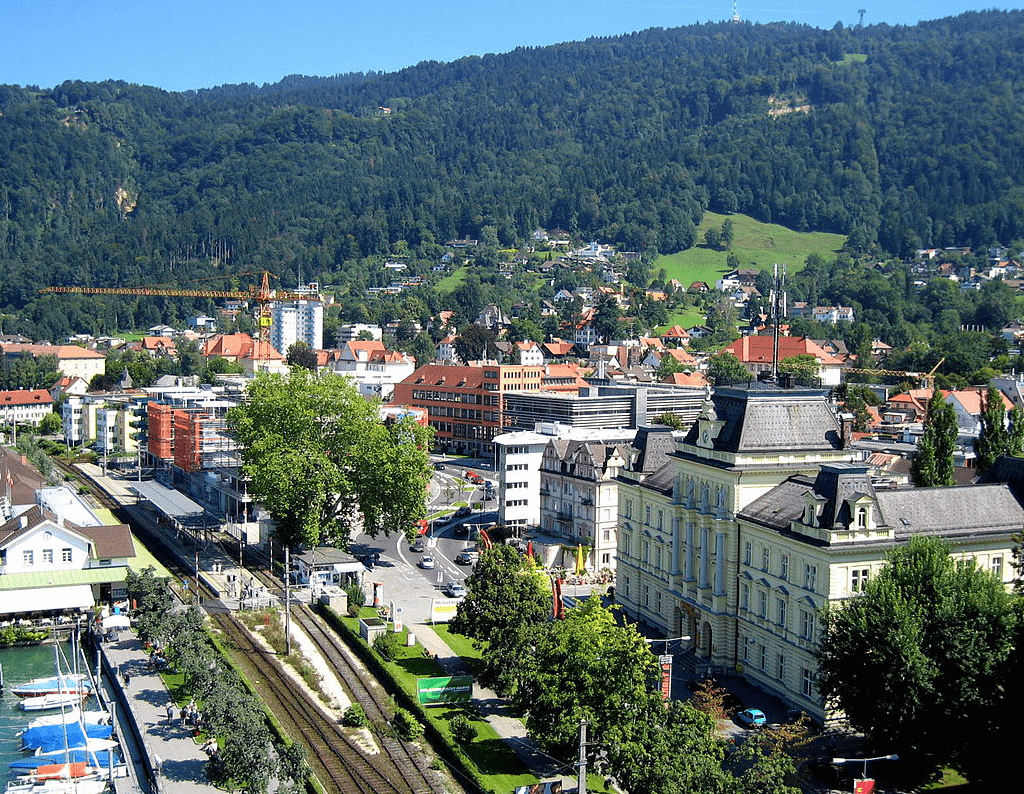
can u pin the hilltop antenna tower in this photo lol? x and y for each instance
(778, 301)
(735, 12)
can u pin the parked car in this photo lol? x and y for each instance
(751, 718)
(455, 590)
(439, 466)
(369, 559)
(426, 562)
(467, 557)
(418, 545)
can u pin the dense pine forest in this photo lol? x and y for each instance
(900, 137)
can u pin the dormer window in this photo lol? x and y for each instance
(862, 518)
(809, 515)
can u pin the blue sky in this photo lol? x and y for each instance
(185, 44)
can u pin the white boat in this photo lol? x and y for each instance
(53, 701)
(59, 786)
(90, 746)
(53, 685)
(74, 714)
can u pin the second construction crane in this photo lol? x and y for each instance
(261, 295)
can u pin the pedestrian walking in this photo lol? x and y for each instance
(170, 711)
(127, 678)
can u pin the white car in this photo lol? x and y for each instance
(455, 589)
(426, 562)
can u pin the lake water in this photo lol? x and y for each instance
(20, 665)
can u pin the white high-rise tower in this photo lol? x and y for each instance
(298, 320)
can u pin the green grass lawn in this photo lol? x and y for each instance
(756, 244)
(450, 282)
(493, 758)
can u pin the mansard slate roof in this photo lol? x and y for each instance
(654, 445)
(975, 510)
(961, 510)
(765, 418)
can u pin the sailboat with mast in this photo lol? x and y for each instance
(65, 773)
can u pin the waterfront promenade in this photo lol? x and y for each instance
(166, 759)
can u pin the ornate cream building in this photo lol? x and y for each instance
(761, 516)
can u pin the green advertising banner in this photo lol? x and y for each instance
(450, 689)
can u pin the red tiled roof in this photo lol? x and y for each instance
(758, 349)
(25, 397)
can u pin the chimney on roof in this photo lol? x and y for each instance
(846, 429)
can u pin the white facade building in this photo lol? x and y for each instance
(374, 368)
(518, 457)
(25, 406)
(298, 320)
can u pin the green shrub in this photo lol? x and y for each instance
(463, 729)
(356, 596)
(387, 645)
(406, 725)
(354, 717)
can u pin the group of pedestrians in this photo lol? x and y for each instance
(189, 715)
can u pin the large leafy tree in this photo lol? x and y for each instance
(587, 667)
(921, 650)
(677, 751)
(933, 463)
(506, 594)
(319, 457)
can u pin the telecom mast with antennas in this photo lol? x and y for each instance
(735, 12)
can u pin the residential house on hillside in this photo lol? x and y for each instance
(68, 386)
(676, 335)
(374, 368)
(72, 360)
(254, 355)
(527, 353)
(756, 352)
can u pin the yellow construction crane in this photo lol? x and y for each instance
(926, 379)
(260, 294)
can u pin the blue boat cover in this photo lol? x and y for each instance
(51, 737)
(100, 759)
(65, 683)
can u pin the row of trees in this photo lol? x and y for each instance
(249, 754)
(590, 666)
(1002, 433)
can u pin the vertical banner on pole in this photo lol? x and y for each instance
(666, 676)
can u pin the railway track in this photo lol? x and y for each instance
(407, 759)
(335, 759)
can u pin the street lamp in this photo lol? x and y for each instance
(667, 640)
(864, 773)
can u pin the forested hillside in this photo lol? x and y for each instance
(900, 137)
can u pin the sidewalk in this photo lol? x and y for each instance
(168, 753)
